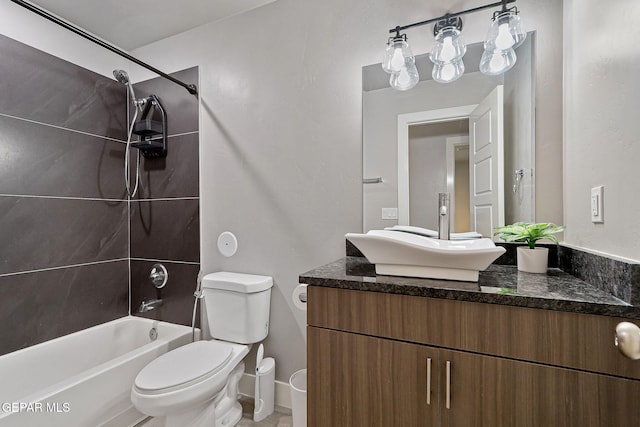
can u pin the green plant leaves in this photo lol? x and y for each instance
(529, 232)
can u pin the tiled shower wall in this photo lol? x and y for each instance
(63, 212)
(165, 226)
(69, 238)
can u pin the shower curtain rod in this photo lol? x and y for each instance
(43, 13)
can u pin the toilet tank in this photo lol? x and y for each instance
(237, 306)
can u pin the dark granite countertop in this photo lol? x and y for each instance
(499, 284)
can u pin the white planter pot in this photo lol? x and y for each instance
(532, 260)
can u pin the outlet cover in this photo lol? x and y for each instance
(597, 204)
(389, 213)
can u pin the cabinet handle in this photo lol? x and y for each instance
(428, 381)
(448, 386)
(628, 340)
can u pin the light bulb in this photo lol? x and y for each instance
(397, 60)
(449, 72)
(495, 62)
(504, 40)
(506, 31)
(406, 78)
(448, 51)
(395, 55)
(449, 46)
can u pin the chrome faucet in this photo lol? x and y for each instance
(443, 216)
(149, 305)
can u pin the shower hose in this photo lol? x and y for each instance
(127, 174)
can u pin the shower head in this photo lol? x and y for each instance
(123, 77)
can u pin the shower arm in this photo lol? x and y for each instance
(193, 90)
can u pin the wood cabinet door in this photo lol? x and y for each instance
(496, 392)
(356, 380)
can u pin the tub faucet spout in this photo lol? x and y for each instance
(443, 216)
(149, 305)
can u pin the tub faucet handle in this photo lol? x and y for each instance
(149, 305)
(159, 275)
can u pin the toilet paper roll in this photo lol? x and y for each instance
(299, 296)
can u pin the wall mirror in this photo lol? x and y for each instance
(415, 145)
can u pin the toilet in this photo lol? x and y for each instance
(197, 384)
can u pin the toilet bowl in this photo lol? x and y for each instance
(183, 379)
(197, 384)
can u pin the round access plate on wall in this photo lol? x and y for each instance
(227, 243)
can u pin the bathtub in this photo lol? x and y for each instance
(83, 379)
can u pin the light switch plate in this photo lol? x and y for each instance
(597, 204)
(389, 213)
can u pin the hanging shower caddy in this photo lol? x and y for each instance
(152, 132)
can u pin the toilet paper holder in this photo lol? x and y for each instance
(299, 296)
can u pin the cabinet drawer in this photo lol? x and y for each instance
(580, 341)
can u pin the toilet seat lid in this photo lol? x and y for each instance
(185, 364)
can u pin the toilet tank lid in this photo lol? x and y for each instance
(237, 282)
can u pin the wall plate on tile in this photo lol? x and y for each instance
(227, 244)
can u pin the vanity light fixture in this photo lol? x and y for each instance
(400, 63)
(505, 34)
(448, 50)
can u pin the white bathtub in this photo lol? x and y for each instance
(83, 379)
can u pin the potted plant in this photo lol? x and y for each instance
(530, 258)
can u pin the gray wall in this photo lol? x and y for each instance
(601, 146)
(63, 211)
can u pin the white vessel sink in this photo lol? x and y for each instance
(396, 253)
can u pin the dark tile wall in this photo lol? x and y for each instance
(39, 306)
(165, 216)
(63, 214)
(44, 88)
(177, 295)
(40, 232)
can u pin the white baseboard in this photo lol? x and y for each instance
(282, 396)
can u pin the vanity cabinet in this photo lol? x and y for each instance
(378, 359)
(355, 380)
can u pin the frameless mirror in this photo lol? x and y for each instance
(416, 145)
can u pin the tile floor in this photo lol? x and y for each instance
(280, 418)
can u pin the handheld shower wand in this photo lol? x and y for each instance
(148, 130)
(123, 77)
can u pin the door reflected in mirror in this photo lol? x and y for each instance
(429, 143)
(413, 141)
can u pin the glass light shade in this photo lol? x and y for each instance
(406, 78)
(449, 46)
(449, 72)
(495, 61)
(395, 56)
(506, 31)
